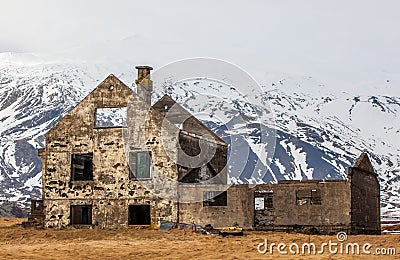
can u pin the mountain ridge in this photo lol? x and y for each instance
(317, 135)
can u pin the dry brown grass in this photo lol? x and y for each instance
(392, 227)
(19, 243)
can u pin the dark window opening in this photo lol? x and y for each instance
(81, 214)
(316, 197)
(269, 201)
(215, 198)
(308, 197)
(37, 207)
(139, 215)
(140, 165)
(111, 116)
(82, 167)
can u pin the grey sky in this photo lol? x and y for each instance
(307, 37)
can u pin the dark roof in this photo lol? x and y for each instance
(176, 114)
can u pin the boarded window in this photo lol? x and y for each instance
(139, 215)
(140, 165)
(111, 117)
(215, 198)
(81, 214)
(82, 167)
(259, 203)
(308, 197)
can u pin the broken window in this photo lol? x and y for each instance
(140, 165)
(82, 167)
(214, 198)
(264, 202)
(111, 117)
(310, 197)
(81, 214)
(139, 215)
(316, 197)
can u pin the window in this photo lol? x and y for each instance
(140, 165)
(139, 215)
(214, 198)
(111, 117)
(316, 197)
(82, 167)
(311, 197)
(264, 202)
(81, 214)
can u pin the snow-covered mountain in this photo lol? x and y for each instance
(317, 134)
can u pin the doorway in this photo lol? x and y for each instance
(263, 209)
(139, 214)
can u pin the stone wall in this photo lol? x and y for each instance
(111, 191)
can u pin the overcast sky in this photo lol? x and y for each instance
(306, 37)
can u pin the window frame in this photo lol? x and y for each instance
(95, 125)
(89, 215)
(134, 166)
(267, 200)
(73, 168)
(309, 196)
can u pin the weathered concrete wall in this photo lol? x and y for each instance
(111, 191)
(239, 209)
(332, 214)
(365, 197)
(352, 206)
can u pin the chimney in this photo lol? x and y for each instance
(144, 85)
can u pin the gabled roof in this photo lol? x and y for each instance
(178, 114)
(112, 92)
(101, 96)
(364, 163)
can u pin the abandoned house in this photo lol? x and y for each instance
(115, 160)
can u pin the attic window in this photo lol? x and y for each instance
(111, 87)
(111, 117)
(215, 198)
(180, 126)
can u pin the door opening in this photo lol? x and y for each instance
(139, 215)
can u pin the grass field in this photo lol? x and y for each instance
(17, 242)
